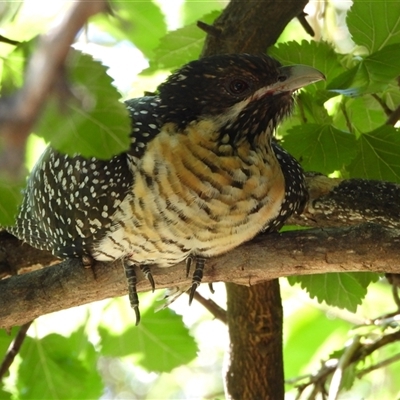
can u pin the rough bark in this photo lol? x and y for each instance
(254, 340)
(368, 247)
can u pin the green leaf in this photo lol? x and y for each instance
(161, 341)
(378, 155)
(364, 113)
(142, 22)
(343, 290)
(180, 46)
(58, 367)
(321, 148)
(4, 395)
(319, 55)
(10, 199)
(194, 10)
(371, 75)
(374, 24)
(98, 124)
(307, 322)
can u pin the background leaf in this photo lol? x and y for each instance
(180, 46)
(374, 24)
(59, 367)
(378, 155)
(321, 148)
(95, 126)
(161, 341)
(344, 290)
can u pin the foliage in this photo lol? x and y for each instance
(340, 126)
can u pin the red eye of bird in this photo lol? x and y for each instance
(238, 86)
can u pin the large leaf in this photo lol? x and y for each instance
(321, 148)
(378, 155)
(95, 126)
(371, 75)
(363, 113)
(374, 24)
(58, 367)
(344, 290)
(180, 46)
(142, 22)
(161, 341)
(319, 55)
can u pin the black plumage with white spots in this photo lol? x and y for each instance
(202, 175)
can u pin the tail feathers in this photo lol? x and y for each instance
(30, 233)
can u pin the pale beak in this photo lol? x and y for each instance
(293, 77)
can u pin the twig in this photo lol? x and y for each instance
(384, 106)
(4, 39)
(305, 24)
(346, 117)
(394, 117)
(212, 307)
(14, 349)
(209, 29)
(19, 112)
(381, 364)
(344, 361)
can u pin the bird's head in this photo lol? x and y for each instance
(245, 95)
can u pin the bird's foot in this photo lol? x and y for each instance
(197, 276)
(130, 275)
(149, 276)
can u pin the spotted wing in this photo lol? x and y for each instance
(69, 202)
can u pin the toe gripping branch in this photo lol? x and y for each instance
(130, 275)
(197, 274)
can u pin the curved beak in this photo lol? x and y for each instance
(293, 77)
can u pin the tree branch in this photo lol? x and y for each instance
(45, 69)
(367, 247)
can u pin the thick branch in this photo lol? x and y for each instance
(251, 26)
(367, 247)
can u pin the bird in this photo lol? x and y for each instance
(203, 173)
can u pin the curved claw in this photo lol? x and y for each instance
(211, 287)
(192, 292)
(149, 276)
(137, 314)
(188, 265)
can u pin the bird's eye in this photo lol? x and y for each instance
(282, 78)
(238, 86)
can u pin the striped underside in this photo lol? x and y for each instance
(192, 197)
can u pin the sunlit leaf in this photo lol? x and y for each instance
(378, 155)
(95, 125)
(57, 367)
(319, 55)
(180, 46)
(343, 290)
(141, 22)
(374, 24)
(371, 75)
(161, 340)
(321, 148)
(363, 113)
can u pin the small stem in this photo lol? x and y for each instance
(14, 349)
(212, 307)
(305, 24)
(394, 117)
(384, 106)
(381, 364)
